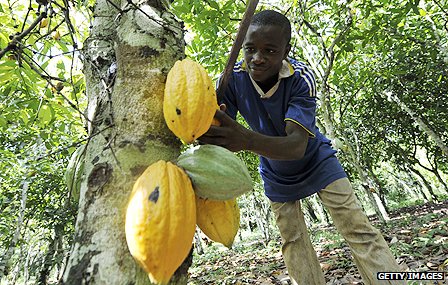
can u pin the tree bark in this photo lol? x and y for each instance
(413, 193)
(366, 182)
(417, 186)
(433, 196)
(5, 261)
(309, 207)
(131, 48)
(422, 125)
(435, 170)
(324, 218)
(262, 212)
(381, 192)
(198, 242)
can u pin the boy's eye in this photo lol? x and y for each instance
(271, 51)
(249, 49)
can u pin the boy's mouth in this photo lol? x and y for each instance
(257, 68)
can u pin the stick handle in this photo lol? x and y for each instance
(242, 30)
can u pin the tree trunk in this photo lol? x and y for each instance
(131, 48)
(18, 266)
(413, 193)
(309, 207)
(324, 218)
(262, 216)
(47, 262)
(425, 182)
(5, 261)
(198, 242)
(422, 125)
(366, 182)
(435, 170)
(381, 192)
(417, 186)
(413, 185)
(444, 187)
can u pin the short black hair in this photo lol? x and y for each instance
(274, 18)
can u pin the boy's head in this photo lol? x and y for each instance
(273, 18)
(265, 47)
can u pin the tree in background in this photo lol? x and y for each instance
(41, 102)
(126, 57)
(381, 68)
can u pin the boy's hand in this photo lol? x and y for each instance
(229, 134)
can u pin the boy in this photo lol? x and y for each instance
(277, 97)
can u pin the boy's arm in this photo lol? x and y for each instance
(235, 137)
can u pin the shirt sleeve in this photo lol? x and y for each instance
(302, 103)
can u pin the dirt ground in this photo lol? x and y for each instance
(418, 237)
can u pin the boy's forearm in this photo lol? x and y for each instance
(290, 147)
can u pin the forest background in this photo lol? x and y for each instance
(381, 69)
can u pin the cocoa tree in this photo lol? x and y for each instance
(131, 48)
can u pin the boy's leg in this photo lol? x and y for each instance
(298, 252)
(369, 249)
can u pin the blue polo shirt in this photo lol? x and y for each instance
(295, 100)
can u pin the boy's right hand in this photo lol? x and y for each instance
(228, 133)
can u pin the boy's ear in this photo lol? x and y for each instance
(287, 50)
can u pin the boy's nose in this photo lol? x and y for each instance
(257, 57)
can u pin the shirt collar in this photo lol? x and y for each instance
(285, 71)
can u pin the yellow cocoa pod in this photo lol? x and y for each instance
(218, 220)
(161, 220)
(189, 103)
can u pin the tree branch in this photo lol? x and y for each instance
(14, 42)
(75, 144)
(31, 63)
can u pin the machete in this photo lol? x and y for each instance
(242, 30)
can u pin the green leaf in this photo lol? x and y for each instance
(34, 104)
(5, 76)
(46, 114)
(416, 9)
(48, 93)
(213, 4)
(62, 46)
(3, 122)
(45, 64)
(7, 65)
(3, 40)
(422, 12)
(60, 65)
(24, 116)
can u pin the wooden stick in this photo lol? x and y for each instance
(242, 30)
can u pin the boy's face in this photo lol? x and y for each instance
(265, 47)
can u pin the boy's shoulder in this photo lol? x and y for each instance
(295, 66)
(239, 67)
(299, 66)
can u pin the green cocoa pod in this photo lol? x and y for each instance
(74, 173)
(216, 173)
